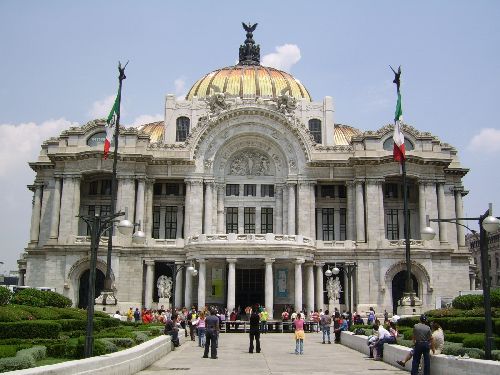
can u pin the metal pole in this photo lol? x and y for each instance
(107, 281)
(349, 286)
(409, 284)
(94, 245)
(483, 244)
(174, 280)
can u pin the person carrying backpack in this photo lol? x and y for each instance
(326, 321)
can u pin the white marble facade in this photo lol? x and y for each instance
(334, 202)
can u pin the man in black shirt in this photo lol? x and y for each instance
(211, 335)
(254, 330)
(422, 337)
(172, 330)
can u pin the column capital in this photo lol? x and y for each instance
(231, 260)
(269, 260)
(319, 264)
(291, 183)
(201, 260)
(299, 261)
(149, 263)
(209, 181)
(375, 181)
(193, 180)
(179, 262)
(350, 183)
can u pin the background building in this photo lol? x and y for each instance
(253, 181)
(493, 258)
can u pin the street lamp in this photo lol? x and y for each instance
(175, 270)
(334, 271)
(349, 268)
(487, 223)
(99, 225)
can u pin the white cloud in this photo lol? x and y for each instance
(284, 58)
(487, 141)
(180, 88)
(101, 108)
(146, 119)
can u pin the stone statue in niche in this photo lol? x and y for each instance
(164, 285)
(333, 288)
(250, 164)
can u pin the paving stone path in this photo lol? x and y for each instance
(277, 357)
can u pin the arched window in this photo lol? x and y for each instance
(315, 129)
(182, 129)
(389, 144)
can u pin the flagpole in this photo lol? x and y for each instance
(409, 283)
(108, 283)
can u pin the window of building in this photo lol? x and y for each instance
(343, 224)
(156, 221)
(182, 131)
(392, 224)
(172, 189)
(391, 190)
(327, 191)
(105, 187)
(232, 189)
(171, 222)
(327, 225)
(93, 187)
(250, 190)
(101, 210)
(249, 223)
(342, 191)
(266, 220)
(232, 219)
(267, 190)
(157, 188)
(315, 129)
(389, 145)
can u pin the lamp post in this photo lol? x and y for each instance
(487, 223)
(175, 270)
(349, 269)
(98, 225)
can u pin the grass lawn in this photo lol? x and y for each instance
(51, 361)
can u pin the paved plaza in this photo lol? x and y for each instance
(277, 357)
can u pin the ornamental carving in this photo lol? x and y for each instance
(285, 103)
(250, 163)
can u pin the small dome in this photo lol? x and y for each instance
(154, 130)
(344, 133)
(248, 81)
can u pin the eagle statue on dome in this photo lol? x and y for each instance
(249, 28)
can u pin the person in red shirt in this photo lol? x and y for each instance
(315, 318)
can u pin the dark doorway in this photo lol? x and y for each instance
(398, 288)
(249, 287)
(83, 294)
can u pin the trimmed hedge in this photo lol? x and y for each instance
(122, 342)
(30, 329)
(24, 358)
(457, 324)
(5, 295)
(109, 346)
(471, 301)
(140, 336)
(8, 351)
(35, 297)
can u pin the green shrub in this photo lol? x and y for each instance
(16, 363)
(78, 351)
(408, 322)
(30, 329)
(114, 332)
(456, 337)
(440, 313)
(8, 351)
(495, 297)
(453, 348)
(404, 342)
(475, 353)
(107, 322)
(5, 296)
(37, 352)
(38, 298)
(462, 324)
(495, 355)
(122, 342)
(468, 301)
(57, 349)
(140, 337)
(109, 346)
(13, 313)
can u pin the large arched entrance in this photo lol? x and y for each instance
(83, 293)
(398, 288)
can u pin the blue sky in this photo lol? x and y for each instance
(58, 67)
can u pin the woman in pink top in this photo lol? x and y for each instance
(200, 324)
(299, 334)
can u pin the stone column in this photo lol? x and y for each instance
(304, 221)
(360, 213)
(139, 203)
(231, 285)
(220, 209)
(35, 214)
(279, 209)
(56, 207)
(380, 185)
(188, 289)
(310, 287)
(298, 284)
(373, 211)
(150, 274)
(148, 222)
(312, 214)
(350, 209)
(76, 206)
(319, 286)
(126, 197)
(459, 212)
(178, 286)
(187, 210)
(67, 210)
(202, 275)
(178, 233)
(443, 235)
(421, 205)
(291, 208)
(269, 287)
(207, 227)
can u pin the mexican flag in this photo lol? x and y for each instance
(111, 125)
(398, 136)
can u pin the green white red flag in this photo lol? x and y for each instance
(111, 125)
(398, 136)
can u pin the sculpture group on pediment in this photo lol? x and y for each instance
(250, 164)
(286, 103)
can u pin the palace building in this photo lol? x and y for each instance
(253, 183)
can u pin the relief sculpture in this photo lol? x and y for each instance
(250, 164)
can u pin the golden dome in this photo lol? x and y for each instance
(154, 130)
(248, 81)
(344, 133)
